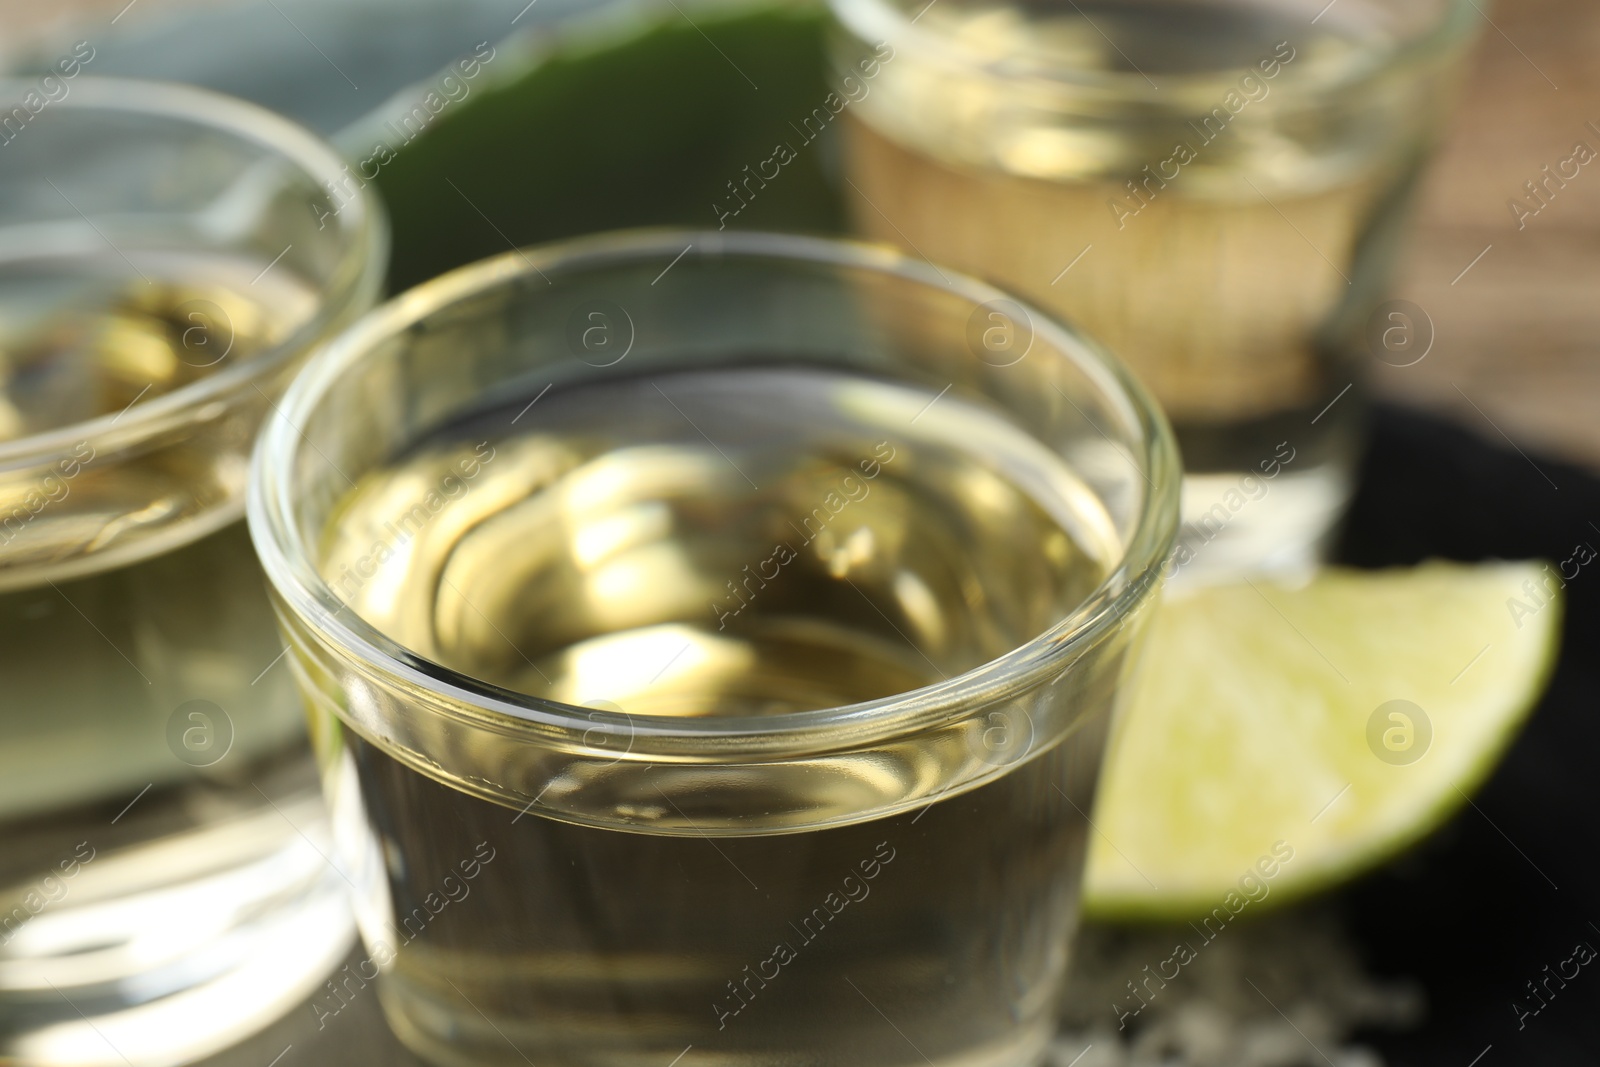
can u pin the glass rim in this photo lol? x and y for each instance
(295, 578)
(886, 21)
(362, 261)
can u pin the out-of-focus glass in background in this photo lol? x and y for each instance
(1214, 189)
(163, 266)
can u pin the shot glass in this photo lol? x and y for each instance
(1215, 189)
(710, 644)
(163, 270)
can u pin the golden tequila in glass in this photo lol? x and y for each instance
(729, 685)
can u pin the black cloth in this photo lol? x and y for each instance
(1503, 891)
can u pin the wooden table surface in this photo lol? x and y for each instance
(1517, 335)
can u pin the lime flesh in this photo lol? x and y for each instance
(1335, 723)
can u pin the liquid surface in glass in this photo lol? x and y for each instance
(811, 548)
(79, 339)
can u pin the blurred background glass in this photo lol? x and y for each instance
(1215, 189)
(166, 258)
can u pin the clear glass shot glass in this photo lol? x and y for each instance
(167, 258)
(710, 642)
(1215, 189)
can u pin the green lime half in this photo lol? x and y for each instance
(1279, 740)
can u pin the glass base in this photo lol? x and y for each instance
(176, 946)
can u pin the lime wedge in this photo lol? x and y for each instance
(1279, 740)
